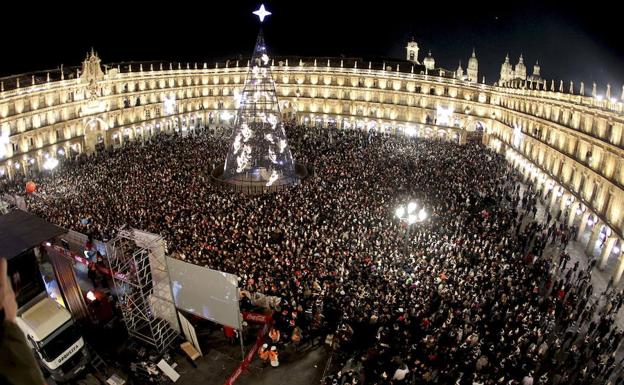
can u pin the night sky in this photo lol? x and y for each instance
(571, 43)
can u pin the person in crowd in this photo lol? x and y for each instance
(230, 334)
(296, 337)
(400, 373)
(274, 356)
(274, 335)
(263, 354)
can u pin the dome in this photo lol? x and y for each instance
(429, 62)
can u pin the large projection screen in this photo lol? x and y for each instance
(207, 293)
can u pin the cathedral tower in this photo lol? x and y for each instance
(412, 51)
(473, 67)
(506, 72)
(520, 71)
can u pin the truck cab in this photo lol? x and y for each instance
(47, 325)
(53, 336)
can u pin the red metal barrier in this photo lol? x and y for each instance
(252, 317)
(257, 318)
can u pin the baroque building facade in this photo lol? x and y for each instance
(472, 71)
(509, 72)
(570, 146)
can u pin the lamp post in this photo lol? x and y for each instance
(410, 215)
(50, 164)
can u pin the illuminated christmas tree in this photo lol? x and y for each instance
(259, 151)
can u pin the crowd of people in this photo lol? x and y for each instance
(472, 300)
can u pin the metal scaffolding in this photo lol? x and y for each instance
(141, 279)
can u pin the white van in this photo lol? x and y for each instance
(54, 337)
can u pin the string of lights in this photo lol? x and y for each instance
(259, 148)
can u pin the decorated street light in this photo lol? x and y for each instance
(410, 214)
(226, 116)
(50, 164)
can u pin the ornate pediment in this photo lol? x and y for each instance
(91, 68)
(92, 75)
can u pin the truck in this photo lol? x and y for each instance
(48, 326)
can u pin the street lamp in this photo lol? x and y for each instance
(50, 164)
(410, 215)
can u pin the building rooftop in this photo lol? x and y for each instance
(376, 63)
(20, 231)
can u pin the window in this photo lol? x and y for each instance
(59, 135)
(147, 114)
(31, 142)
(15, 147)
(57, 343)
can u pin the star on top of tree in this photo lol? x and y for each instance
(261, 13)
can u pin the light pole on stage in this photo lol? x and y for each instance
(409, 214)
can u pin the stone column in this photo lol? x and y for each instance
(619, 269)
(39, 161)
(563, 203)
(462, 137)
(107, 134)
(606, 251)
(485, 140)
(564, 206)
(582, 225)
(572, 213)
(545, 192)
(593, 238)
(553, 200)
(9, 170)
